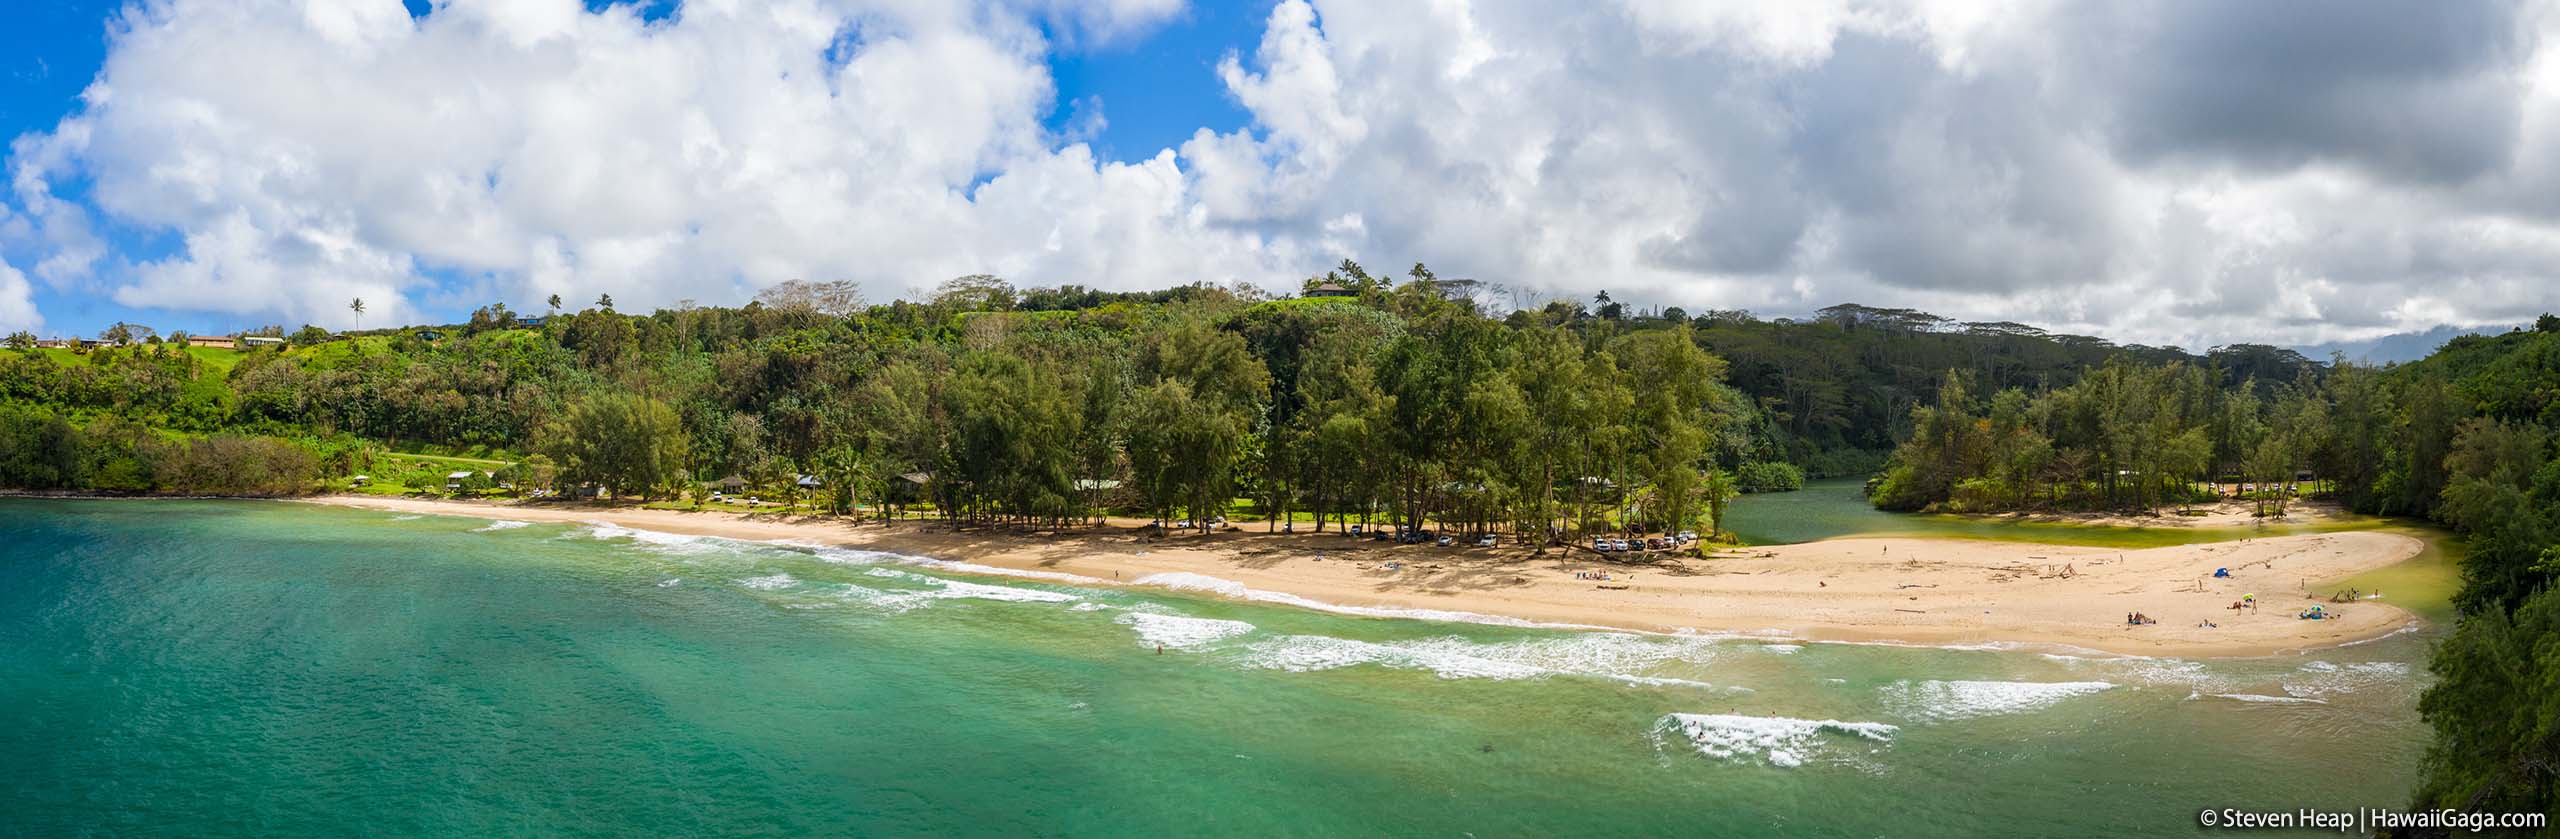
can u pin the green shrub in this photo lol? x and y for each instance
(1769, 476)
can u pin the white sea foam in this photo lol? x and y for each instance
(670, 582)
(2257, 697)
(2065, 650)
(1188, 581)
(666, 542)
(1301, 653)
(978, 591)
(1782, 649)
(769, 582)
(1614, 656)
(1778, 741)
(1955, 700)
(856, 556)
(2174, 672)
(2321, 678)
(2401, 631)
(1181, 632)
(1088, 606)
(892, 601)
(501, 524)
(901, 600)
(407, 518)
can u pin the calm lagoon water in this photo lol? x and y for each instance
(1838, 507)
(186, 668)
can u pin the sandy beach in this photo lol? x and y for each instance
(1918, 591)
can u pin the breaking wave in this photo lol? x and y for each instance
(1954, 700)
(1188, 581)
(769, 582)
(1617, 657)
(2259, 697)
(1181, 632)
(1776, 741)
(667, 542)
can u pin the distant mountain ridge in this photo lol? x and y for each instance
(2398, 347)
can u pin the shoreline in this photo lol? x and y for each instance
(1866, 590)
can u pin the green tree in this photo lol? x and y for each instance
(1182, 452)
(1718, 489)
(631, 445)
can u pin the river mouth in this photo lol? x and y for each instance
(1837, 508)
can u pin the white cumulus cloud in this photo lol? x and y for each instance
(2158, 170)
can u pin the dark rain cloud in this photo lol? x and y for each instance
(2420, 92)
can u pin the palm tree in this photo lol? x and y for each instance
(605, 302)
(555, 304)
(358, 308)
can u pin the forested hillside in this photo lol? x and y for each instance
(1375, 398)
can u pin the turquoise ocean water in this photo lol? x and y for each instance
(211, 669)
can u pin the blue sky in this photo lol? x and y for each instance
(1155, 91)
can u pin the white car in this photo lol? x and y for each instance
(1601, 545)
(1485, 541)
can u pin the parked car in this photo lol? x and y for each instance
(1355, 530)
(1378, 536)
(1656, 544)
(1601, 545)
(1621, 545)
(1688, 535)
(1446, 541)
(1485, 541)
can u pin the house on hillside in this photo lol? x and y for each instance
(1331, 290)
(808, 482)
(260, 341)
(731, 485)
(456, 481)
(219, 342)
